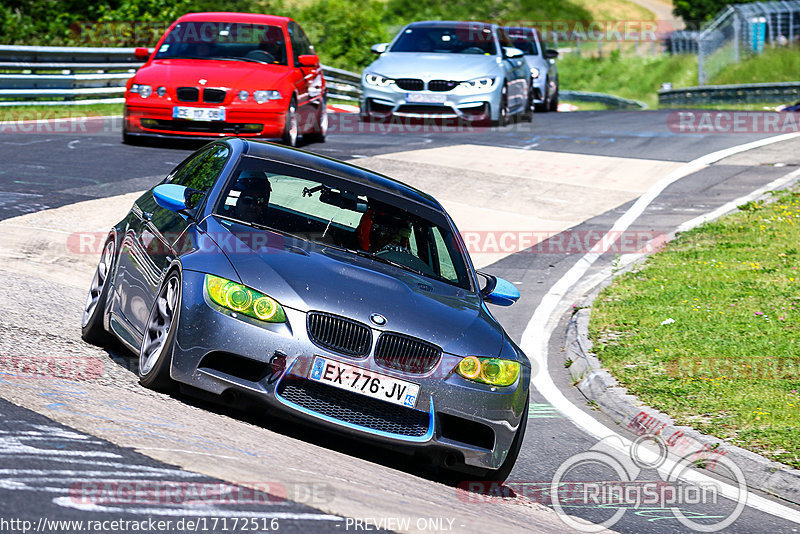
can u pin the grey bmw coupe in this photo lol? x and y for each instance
(321, 290)
(448, 70)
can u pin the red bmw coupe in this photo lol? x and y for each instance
(221, 74)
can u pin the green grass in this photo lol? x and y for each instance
(634, 77)
(729, 364)
(774, 65)
(639, 78)
(15, 113)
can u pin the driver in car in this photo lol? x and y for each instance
(385, 233)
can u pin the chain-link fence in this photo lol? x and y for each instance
(737, 32)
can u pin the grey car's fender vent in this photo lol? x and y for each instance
(339, 334)
(353, 408)
(405, 353)
(410, 84)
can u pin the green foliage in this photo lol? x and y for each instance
(342, 31)
(696, 12)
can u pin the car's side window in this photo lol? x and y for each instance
(300, 43)
(201, 171)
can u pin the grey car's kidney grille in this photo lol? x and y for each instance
(339, 334)
(410, 84)
(188, 94)
(353, 408)
(441, 85)
(405, 353)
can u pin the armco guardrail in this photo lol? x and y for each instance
(611, 101)
(60, 75)
(768, 93)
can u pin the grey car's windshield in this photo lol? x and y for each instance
(461, 39)
(225, 41)
(526, 43)
(325, 210)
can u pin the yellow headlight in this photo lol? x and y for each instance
(492, 371)
(244, 300)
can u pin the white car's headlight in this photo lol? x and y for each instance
(534, 72)
(478, 85)
(377, 79)
(142, 90)
(264, 96)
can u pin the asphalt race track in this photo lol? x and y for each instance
(564, 175)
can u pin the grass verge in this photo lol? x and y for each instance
(21, 113)
(707, 330)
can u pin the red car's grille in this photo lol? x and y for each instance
(202, 126)
(188, 94)
(213, 96)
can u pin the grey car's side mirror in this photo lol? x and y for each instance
(512, 53)
(550, 53)
(379, 48)
(176, 198)
(499, 291)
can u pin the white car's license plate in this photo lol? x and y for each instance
(369, 383)
(422, 98)
(198, 114)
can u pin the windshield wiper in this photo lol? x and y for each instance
(260, 226)
(238, 58)
(382, 259)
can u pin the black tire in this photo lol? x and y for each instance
(554, 102)
(545, 105)
(527, 115)
(92, 328)
(321, 132)
(158, 341)
(503, 115)
(290, 134)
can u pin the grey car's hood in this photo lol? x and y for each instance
(327, 279)
(460, 67)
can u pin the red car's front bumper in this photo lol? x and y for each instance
(157, 120)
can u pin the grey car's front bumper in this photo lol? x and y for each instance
(384, 102)
(222, 354)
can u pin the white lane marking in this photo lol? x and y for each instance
(71, 144)
(536, 337)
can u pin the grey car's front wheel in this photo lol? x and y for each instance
(155, 354)
(92, 328)
(503, 113)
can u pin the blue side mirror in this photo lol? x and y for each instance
(173, 197)
(498, 291)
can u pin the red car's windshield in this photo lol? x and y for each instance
(225, 40)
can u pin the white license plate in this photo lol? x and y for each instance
(369, 383)
(198, 114)
(422, 98)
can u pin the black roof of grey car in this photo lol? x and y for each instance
(336, 168)
(450, 23)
